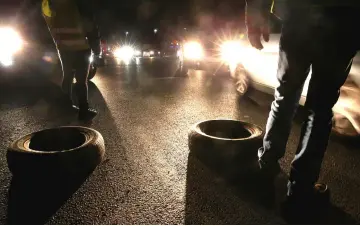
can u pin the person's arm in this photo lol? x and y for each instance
(257, 21)
(87, 12)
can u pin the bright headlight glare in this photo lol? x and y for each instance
(124, 53)
(193, 51)
(231, 51)
(6, 61)
(10, 41)
(91, 58)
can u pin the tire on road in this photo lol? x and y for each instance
(222, 142)
(62, 150)
(92, 72)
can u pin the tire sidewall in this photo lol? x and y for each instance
(24, 161)
(224, 151)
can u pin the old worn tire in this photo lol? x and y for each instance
(62, 150)
(223, 141)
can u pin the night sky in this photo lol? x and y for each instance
(165, 14)
(117, 16)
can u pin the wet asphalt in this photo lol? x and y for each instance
(149, 175)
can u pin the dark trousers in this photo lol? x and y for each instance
(325, 39)
(76, 64)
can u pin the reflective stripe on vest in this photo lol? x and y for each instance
(66, 25)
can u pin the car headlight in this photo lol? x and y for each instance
(137, 52)
(91, 58)
(193, 51)
(231, 52)
(10, 43)
(125, 53)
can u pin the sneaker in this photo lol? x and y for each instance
(87, 114)
(307, 208)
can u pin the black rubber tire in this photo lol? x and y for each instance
(92, 72)
(217, 150)
(81, 158)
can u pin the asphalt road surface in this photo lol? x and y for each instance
(149, 177)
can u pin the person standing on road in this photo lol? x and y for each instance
(75, 33)
(321, 34)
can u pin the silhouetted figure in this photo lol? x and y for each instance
(323, 34)
(75, 33)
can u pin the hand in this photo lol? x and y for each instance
(254, 36)
(257, 23)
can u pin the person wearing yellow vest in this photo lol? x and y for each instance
(74, 31)
(321, 34)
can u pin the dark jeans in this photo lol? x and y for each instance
(76, 63)
(325, 39)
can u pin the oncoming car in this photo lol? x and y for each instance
(11, 45)
(150, 50)
(203, 51)
(19, 54)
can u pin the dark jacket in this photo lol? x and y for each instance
(72, 21)
(257, 10)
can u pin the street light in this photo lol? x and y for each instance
(127, 33)
(155, 30)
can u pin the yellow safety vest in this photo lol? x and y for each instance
(65, 25)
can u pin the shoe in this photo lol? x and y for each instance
(86, 114)
(307, 208)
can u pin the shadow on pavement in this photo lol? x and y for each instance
(229, 191)
(26, 90)
(104, 191)
(38, 200)
(35, 200)
(332, 216)
(221, 198)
